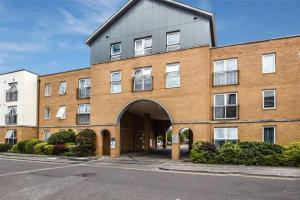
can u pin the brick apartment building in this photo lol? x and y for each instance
(155, 65)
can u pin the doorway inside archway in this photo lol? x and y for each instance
(186, 142)
(143, 127)
(106, 139)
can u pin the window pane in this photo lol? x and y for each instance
(116, 87)
(148, 83)
(219, 133)
(219, 66)
(116, 76)
(269, 99)
(173, 81)
(148, 43)
(231, 65)
(139, 45)
(231, 112)
(232, 134)
(172, 68)
(116, 49)
(231, 99)
(147, 71)
(269, 135)
(268, 63)
(173, 38)
(219, 99)
(138, 84)
(220, 112)
(219, 142)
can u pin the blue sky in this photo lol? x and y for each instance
(47, 36)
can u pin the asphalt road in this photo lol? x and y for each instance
(142, 180)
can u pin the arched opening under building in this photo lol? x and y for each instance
(106, 140)
(143, 127)
(186, 142)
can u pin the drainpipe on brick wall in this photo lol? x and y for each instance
(38, 107)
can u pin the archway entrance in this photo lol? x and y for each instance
(142, 123)
(186, 142)
(105, 142)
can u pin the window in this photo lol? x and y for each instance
(11, 116)
(222, 135)
(268, 63)
(173, 41)
(12, 93)
(84, 90)
(61, 114)
(47, 113)
(116, 86)
(47, 134)
(173, 75)
(225, 106)
(143, 46)
(83, 116)
(225, 72)
(115, 51)
(63, 88)
(11, 137)
(142, 79)
(269, 134)
(48, 90)
(269, 100)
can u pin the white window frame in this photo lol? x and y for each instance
(226, 138)
(263, 101)
(64, 114)
(172, 74)
(47, 134)
(225, 104)
(87, 109)
(114, 82)
(113, 55)
(263, 65)
(263, 133)
(12, 136)
(143, 48)
(63, 90)
(45, 113)
(142, 76)
(175, 46)
(48, 89)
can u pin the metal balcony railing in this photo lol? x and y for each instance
(226, 112)
(143, 83)
(83, 119)
(84, 93)
(226, 78)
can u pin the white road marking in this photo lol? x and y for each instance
(37, 161)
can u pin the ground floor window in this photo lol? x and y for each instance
(221, 135)
(11, 137)
(47, 134)
(269, 134)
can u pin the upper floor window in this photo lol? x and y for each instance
(11, 116)
(268, 63)
(83, 116)
(12, 93)
(225, 72)
(143, 46)
(116, 86)
(225, 106)
(222, 135)
(63, 88)
(115, 51)
(47, 134)
(84, 90)
(48, 90)
(269, 134)
(47, 114)
(11, 137)
(173, 41)
(142, 79)
(269, 99)
(173, 75)
(61, 114)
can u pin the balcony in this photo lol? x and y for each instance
(11, 119)
(144, 83)
(226, 112)
(226, 78)
(83, 119)
(84, 93)
(11, 96)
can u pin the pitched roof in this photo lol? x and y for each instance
(130, 3)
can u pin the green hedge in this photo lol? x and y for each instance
(21, 146)
(29, 147)
(247, 153)
(40, 148)
(62, 137)
(5, 147)
(86, 141)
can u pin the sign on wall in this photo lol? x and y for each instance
(174, 139)
(113, 143)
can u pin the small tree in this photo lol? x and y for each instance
(62, 137)
(86, 141)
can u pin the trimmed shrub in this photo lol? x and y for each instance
(203, 152)
(13, 149)
(21, 146)
(292, 154)
(229, 154)
(86, 141)
(49, 149)
(5, 147)
(59, 149)
(39, 148)
(62, 137)
(29, 147)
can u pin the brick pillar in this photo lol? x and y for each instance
(147, 131)
(99, 148)
(175, 144)
(115, 136)
(165, 140)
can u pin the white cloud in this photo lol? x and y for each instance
(20, 47)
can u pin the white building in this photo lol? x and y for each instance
(18, 106)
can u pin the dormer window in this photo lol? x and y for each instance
(173, 41)
(143, 46)
(12, 93)
(116, 51)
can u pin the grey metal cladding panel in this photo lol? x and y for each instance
(151, 18)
